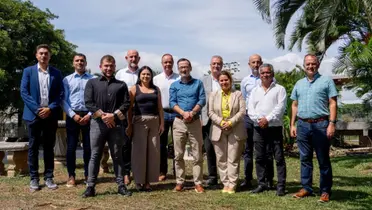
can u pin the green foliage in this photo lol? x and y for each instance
(22, 27)
(351, 112)
(288, 80)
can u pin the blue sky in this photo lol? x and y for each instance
(185, 28)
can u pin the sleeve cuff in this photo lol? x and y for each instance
(120, 115)
(97, 114)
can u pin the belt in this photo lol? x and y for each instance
(168, 110)
(314, 120)
(196, 117)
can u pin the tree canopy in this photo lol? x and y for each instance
(22, 27)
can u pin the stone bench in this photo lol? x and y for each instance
(17, 158)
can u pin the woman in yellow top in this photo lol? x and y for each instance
(226, 108)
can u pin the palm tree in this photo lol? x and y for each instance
(319, 24)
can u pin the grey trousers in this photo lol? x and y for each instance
(99, 133)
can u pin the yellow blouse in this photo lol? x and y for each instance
(225, 106)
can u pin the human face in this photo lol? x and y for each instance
(266, 75)
(79, 64)
(107, 68)
(167, 63)
(255, 62)
(225, 82)
(43, 56)
(216, 66)
(145, 76)
(184, 68)
(133, 59)
(311, 66)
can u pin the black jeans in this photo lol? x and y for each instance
(209, 149)
(127, 151)
(269, 142)
(41, 131)
(168, 125)
(248, 154)
(73, 130)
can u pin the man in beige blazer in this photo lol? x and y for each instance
(227, 131)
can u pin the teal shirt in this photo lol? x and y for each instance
(313, 97)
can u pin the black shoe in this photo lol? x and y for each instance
(280, 191)
(245, 185)
(259, 189)
(211, 182)
(122, 190)
(89, 192)
(270, 185)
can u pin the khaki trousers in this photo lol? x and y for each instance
(181, 133)
(228, 152)
(145, 149)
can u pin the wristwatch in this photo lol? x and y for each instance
(333, 121)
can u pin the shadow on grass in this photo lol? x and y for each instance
(351, 161)
(352, 181)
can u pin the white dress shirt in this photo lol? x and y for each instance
(247, 85)
(164, 82)
(215, 84)
(43, 85)
(127, 76)
(270, 104)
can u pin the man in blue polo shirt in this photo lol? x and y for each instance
(315, 106)
(187, 98)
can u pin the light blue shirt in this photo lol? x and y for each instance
(74, 86)
(187, 95)
(247, 85)
(313, 97)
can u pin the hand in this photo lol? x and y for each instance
(263, 123)
(161, 128)
(77, 118)
(85, 120)
(186, 116)
(293, 131)
(331, 130)
(108, 119)
(129, 130)
(226, 125)
(44, 112)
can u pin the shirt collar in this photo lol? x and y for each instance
(224, 94)
(252, 76)
(213, 79)
(170, 76)
(78, 75)
(188, 81)
(316, 76)
(130, 72)
(273, 83)
(38, 68)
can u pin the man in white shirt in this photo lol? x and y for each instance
(248, 83)
(267, 103)
(211, 84)
(164, 81)
(129, 75)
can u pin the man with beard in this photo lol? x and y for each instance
(108, 99)
(248, 83)
(129, 75)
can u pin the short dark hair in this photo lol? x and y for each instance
(166, 54)
(226, 73)
(40, 46)
(184, 59)
(108, 58)
(152, 76)
(80, 55)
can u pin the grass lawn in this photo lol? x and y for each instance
(352, 190)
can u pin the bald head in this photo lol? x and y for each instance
(133, 59)
(255, 61)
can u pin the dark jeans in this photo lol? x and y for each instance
(310, 137)
(41, 131)
(164, 146)
(248, 154)
(269, 142)
(209, 149)
(73, 130)
(127, 151)
(99, 134)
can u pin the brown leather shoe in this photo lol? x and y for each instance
(162, 178)
(199, 188)
(71, 182)
(127, 180)
(302, 193)
(178, 188)
(324, 198)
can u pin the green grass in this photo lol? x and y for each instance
(352, 190)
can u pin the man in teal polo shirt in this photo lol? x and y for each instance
(315, 106)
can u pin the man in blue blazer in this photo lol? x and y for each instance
(42, 92)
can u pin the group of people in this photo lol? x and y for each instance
(132, 110)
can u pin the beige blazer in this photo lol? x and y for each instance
(237, 112)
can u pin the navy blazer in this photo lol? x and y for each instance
(30, 92)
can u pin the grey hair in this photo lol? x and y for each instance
(219, 57)
(267, 65)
